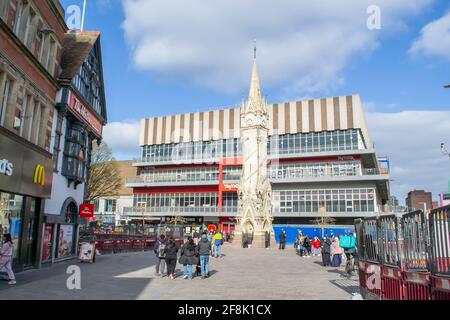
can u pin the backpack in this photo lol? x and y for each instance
(347, 242)
(218, 242)
(161, 248)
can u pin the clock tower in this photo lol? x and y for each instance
(255, 192)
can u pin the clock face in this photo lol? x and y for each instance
(250, 119)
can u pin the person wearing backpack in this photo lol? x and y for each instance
(6, 257)
(217, 241)
(159, 248)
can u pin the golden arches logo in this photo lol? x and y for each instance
(39, 175)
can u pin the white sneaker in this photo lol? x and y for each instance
(318, 255)
(12, 282)
(307, 256)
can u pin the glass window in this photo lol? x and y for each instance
(10, 218)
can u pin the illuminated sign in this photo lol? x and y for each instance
(39, 175)
(6, 167)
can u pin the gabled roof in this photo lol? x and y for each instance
(76, 47)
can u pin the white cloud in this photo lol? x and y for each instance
(302, 45)
(123, 139)
(412, 141)
(434, 39)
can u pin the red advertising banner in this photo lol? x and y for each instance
(87, 210)
(84, 114)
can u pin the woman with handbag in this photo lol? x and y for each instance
(188, 258)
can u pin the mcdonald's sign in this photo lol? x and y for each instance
(39, 175)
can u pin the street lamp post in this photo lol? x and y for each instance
(322, 211)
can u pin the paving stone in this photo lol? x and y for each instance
(242, 274)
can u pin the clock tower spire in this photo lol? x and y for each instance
(254, 194)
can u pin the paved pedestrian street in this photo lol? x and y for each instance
(240, 274)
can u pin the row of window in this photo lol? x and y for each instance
(190, 174)
(26, 22)
(279, 171)
(283, 201)
(199, 150)
(75, 152)
(325, 141)
(29, 121)
(322, 169)
(338, 140)
(332, 200)
(88, 81)
(185, 202)
(109, 205)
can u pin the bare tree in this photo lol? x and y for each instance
(104, 177)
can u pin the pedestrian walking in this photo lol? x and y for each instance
(307, 247)
(336, 253)
(218, 242)
(326, 251)
(204, 250)
(267, 239)
(282, 240)
(302, 246)
(171, 251)
(6, 257)
(315, 246)
(188, 257)
(159, 250)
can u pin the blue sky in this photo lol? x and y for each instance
(164, 57)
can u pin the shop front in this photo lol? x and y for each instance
(61, 233)
(25, 183)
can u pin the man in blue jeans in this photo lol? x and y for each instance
(204, 250)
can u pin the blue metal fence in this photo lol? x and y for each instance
(310, 231)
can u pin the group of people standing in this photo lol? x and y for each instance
(194, 252)
(328, 248)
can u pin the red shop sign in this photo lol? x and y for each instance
(83, 112)
(211, 228)
(87, 210)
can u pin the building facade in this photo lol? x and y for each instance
(31, 39)
(79, 119)
(417, 199)
(321, 163)
(108, 210)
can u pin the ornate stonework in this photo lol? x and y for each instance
(254, 203)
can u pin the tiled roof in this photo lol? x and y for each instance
(77, 45)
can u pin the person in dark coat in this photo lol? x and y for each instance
(282, 240)
(204, 250)
(188, 257)
(171, 251)
(267, 239)
(326, 251)
(160, 255)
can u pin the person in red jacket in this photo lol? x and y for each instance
(316, 246)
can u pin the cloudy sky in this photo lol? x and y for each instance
(171, 56)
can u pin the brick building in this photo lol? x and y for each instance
(417, 198)
(31, 37)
